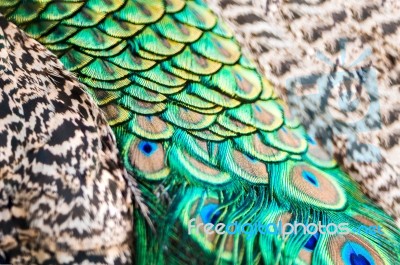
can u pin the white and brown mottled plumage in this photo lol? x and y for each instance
(285, 38)
(64, 197)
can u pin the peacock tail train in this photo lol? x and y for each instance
(205, 136)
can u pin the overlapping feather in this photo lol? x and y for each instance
(204, 134)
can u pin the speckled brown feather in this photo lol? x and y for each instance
(64, 197)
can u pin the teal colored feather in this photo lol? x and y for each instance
(205, 135)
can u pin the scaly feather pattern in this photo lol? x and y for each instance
(64, 193)
(205, 135)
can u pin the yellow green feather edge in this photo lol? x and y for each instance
(205, 135)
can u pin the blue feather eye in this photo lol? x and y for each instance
(358, 259)
(250, 158)
(356, 254)
(310, 140)
(312, 242)
(209, 213)
(310, 177)
(147, 148)
(239, 77)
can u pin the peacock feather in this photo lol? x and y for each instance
(206, 136)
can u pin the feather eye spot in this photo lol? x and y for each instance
(147, 148)
(165, 43)
(356, 254)
(198, 16)
(310, 140)
(249, 167)
(146, 158)
(238, 77)
(243, 83)
(318, 156)
(210, 214)
(316, 187)
(291, 140)
(144, 9)
(182, 28)
(310, 177)
(221, 48)
(250, 158)
(200, 60)
(352, 249)
(358, 259)
(312, 242)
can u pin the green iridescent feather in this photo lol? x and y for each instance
(204, 134)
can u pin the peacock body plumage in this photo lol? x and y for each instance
(303, 47)
(206, 136)
(64, 195)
